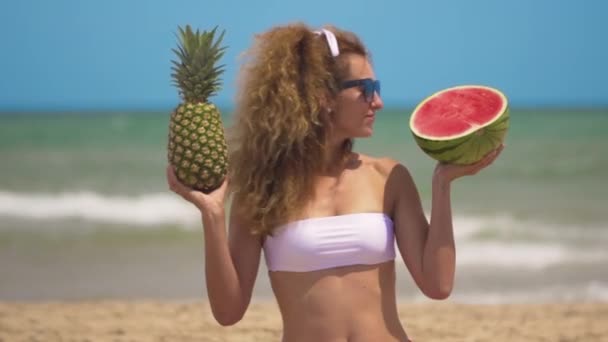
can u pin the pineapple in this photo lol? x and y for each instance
(197, 146)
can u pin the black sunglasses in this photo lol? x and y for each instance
(368, 85)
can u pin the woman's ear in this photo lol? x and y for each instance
(329, 105)
(328, 111)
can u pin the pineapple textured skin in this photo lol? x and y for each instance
(197, 146)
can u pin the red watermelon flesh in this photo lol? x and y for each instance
(461, 124)
(455, 112)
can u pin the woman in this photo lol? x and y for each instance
(325, 216)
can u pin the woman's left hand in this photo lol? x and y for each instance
(449, 172)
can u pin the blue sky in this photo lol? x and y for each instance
(115, 54)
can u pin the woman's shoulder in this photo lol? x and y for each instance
(384, 166)
(387, 174)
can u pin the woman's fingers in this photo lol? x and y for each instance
(170, 177)
(485, 161)
(174, 184)
(494, 155)
(490, 158)
(456, 171)
(224, 185)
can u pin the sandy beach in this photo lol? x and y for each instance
(172, 320)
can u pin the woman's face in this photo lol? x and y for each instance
(354, 113)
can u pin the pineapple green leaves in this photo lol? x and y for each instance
(195, 72)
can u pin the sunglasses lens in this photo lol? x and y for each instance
(369, 90)
(370, 87)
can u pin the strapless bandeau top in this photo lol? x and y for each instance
(333, 241)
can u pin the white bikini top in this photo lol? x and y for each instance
(326, 242)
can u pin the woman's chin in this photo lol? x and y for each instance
(363, 132)
(366, 133)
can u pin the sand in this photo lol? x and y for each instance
(171, 320)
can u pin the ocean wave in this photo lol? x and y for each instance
(481, 240)
(144, 210)
(154, 209)
(525, 255)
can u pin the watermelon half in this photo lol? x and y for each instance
(461, 124)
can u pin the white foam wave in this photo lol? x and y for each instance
(150, 209)
(524, 255)
(168, 208)
(551, 244)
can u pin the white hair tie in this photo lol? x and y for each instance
(331, 41)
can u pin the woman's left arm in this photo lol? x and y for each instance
(428, 250)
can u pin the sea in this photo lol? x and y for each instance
(85, 211)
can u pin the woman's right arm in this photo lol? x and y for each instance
(231, 258)
(231, 266)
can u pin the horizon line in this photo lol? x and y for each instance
(229, 106)
(226, 109)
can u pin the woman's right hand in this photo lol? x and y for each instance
(210, 204)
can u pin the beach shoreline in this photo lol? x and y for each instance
(191, 320)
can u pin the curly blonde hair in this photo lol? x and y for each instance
(278, 142)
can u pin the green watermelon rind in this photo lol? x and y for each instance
(473, 145)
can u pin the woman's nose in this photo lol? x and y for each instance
(377, 102)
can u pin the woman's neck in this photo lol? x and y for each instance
(335, 159)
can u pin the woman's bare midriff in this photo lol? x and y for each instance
(353, 303)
